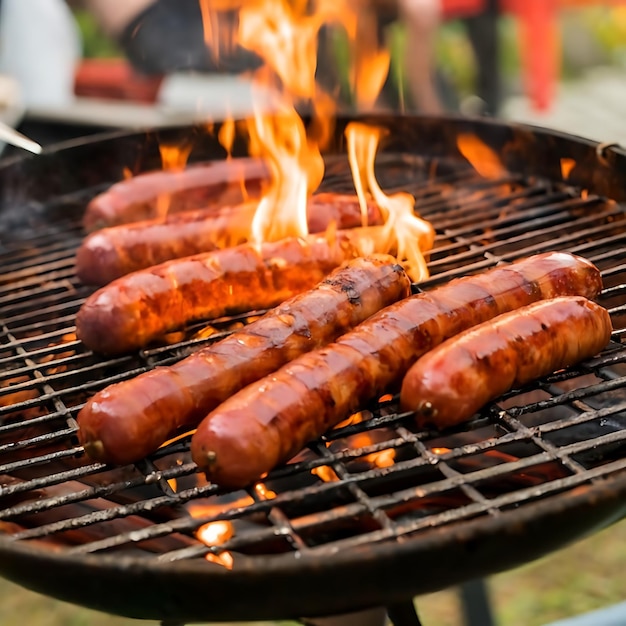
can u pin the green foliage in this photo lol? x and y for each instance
(95, 43)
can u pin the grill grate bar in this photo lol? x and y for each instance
(7, 468)
(28, 275)
(50, 291)
(117, 512)
(458, 209)
(180, 525)
(99, 491)
(46, 438)
(479, 223)
(450, 473)
(474, 509)
(14, 320)
(534, 211)
(357, 493)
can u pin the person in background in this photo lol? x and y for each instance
(41, 43)
(421, 19)
(164, 36)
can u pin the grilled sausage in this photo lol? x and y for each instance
(128, 420)
(150, 194)
(119, 250)
(269, 421)
(138, 308)
(449, 384)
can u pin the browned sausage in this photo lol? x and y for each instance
(128, 420)
(450, 383)
(270, 420)
(119, 250)
(151, 194)
(138, 308)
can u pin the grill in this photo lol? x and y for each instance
(376, 511)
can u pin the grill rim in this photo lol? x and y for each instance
(598, 506)
(190, 590)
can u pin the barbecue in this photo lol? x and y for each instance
(377, 510)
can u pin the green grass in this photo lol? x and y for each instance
(585, 576)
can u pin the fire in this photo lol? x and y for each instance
(404, 233)
(285, 35)
(439, 451)
(218, 532)
(325, 473)
(173, 158)
(384, 458)
(567, 165)
(263, 492)
(482, 158)
(214, 534)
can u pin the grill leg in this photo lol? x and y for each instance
(403, 614)
(476, 605)
(369, 617)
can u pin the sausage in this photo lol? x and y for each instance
(151, 194)
(449, 384)
(113, 252)
(128, 420)
(267, 422)
(136, 309)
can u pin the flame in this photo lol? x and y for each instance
(216, 533)
(384, 458)
(405, 234)
(370, 62)
(285, 34)
(482, 158)
(325, 473)
(439, 451)
(567, 165)
(173, 158)
(263, 492)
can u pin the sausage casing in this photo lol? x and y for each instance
(128, 420)
(138, 308)
(151, 194)
(119, 250)
(269, 421)
(449, 384)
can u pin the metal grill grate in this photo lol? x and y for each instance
(374, 479)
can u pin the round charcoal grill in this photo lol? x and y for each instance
(375, 512)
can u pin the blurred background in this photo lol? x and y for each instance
(73, 69)
(70, 69)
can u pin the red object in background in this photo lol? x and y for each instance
(114, 79)
(454, 9)
(539, 41)
(540, 48)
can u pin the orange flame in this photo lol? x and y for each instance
(325, 473)
(567, 165)
(263, 492)
(173, 158)
(384, 458)
(284, 34)
(482, 158)
(404, 233)
(216, 533)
